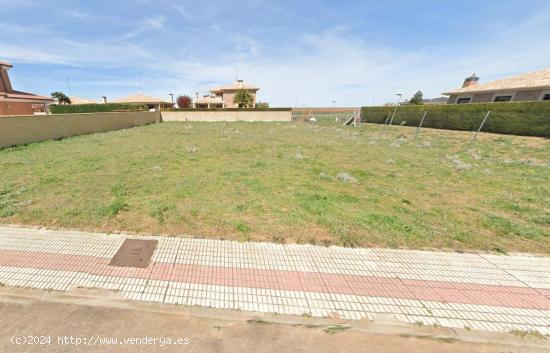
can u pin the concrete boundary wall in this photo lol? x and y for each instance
(20, 130)
(224, 115)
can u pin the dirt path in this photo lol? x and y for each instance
(85, 315)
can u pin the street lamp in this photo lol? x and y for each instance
(396, 106)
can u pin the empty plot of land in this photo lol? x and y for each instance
(316, 183)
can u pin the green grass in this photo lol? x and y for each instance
(318, 183)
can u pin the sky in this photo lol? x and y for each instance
(300, 53)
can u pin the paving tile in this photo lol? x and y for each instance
(477, 291)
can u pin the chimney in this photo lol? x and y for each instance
(104, 99)
(470, 81)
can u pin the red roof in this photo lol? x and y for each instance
(25, 95)
(13, 94)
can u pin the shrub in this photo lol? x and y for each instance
(243, 99)
(61, 97)
(262, 105)
(513, 118)
(417, 99)
(184, 101)
(95, 108)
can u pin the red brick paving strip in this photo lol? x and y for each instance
(451, 292)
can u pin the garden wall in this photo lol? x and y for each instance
(227, 115)
(514, 118)
(20, 130)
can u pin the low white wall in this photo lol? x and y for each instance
(224, 115)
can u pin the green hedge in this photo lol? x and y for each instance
(95, 108)
(513, 118)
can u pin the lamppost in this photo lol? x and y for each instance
(396, 106)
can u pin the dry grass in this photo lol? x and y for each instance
(289, 182)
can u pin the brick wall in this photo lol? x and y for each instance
(223, 115)
(16, 108)
(19, 130)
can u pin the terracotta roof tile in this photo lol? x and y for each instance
(530, 80)
(139, 98)
(235, 86)
(78, 100)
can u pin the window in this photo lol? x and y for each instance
(463, 100)
(546, 97)
(503, 98)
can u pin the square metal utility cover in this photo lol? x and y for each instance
(134, 253)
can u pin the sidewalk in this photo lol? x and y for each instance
(473, 291)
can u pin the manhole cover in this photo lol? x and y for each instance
(134, 253)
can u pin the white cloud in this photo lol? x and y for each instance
(79, 15)
(147, 24)
(29, 55)
(312, 68)
(15, 3)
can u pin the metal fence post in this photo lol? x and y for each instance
(480, 127)
(420, 125)
(387, 117)
(393, 115)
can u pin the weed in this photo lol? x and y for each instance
(259, 322)
(348, 240)
(278, 239)
(528, 334)
(159, 212)
(114, 208)
(508, 228)
(346, 178)
(241, 208)
(243, 238)
(334, 329)
(119, 190)
(240, 226)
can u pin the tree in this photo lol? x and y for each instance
(184, 101)
(61, 98)
(417, 99)
(262, 105)
(243, 99)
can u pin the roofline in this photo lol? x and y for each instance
(496, 90)
(149, 102)
(8, 98)
(234, 89)
(3, 63)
